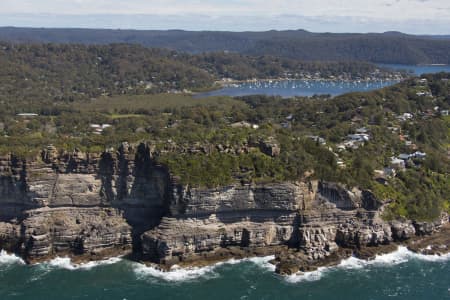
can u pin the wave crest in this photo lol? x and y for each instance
(178, 274)
(400, 256)
(66, 263)
(9, 259)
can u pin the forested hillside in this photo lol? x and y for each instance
(44, 73)
(390, 47)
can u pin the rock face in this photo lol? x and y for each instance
(90, 231)
(207, 220)
(120, 201)
(315, 218)
(80, 203)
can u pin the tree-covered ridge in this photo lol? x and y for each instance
(217, 141)
(390, 47)
(72, 72)
(49, 72)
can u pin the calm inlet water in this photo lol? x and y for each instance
(420, 69)
(291, 88)
(400, 275)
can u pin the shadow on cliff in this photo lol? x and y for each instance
(15, 196)
(136, 185)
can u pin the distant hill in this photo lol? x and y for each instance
(388, 47)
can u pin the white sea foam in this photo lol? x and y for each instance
(307, 276)
(401, 255)
(9, 259)
(176, 273)
(66, 263)
(263, 262)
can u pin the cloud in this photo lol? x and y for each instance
(394, 9)
(316, 15)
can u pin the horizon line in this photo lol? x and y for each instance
(216, 30)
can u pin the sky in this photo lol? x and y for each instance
(410, 16)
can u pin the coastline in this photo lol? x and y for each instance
(224, 83)
(283, 260)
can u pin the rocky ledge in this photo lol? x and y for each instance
(92, 206)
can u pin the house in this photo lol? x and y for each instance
(404, 156)
(380, 177)
(407, 116)
(352, 144)
(357, 119)
(98, 129)
(389, 172)
(241, 124)
(362, 130)
(397, 164)
(394, 129)
(341, 147)
(362, 137)
(269, 147)
(423, 94)
(27, 115)
(340, 163)
(420, 155)
(317, 139)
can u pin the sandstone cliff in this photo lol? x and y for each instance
(118, 202)
(79, 203)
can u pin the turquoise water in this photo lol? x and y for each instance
(292, 88)
(401, 275)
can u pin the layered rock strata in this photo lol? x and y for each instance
(118, 202)
(316, 220)
(80, 203)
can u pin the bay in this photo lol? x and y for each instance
(308, 88)
(292, 88)
(418, 69)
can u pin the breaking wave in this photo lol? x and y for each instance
(66, 263)
(178, 274)
(9, 259)
(400, 256)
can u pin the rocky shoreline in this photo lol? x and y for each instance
(290, 261)
(90, 206)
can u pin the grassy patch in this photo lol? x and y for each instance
(132, 105)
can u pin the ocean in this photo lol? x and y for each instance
(399, 275)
